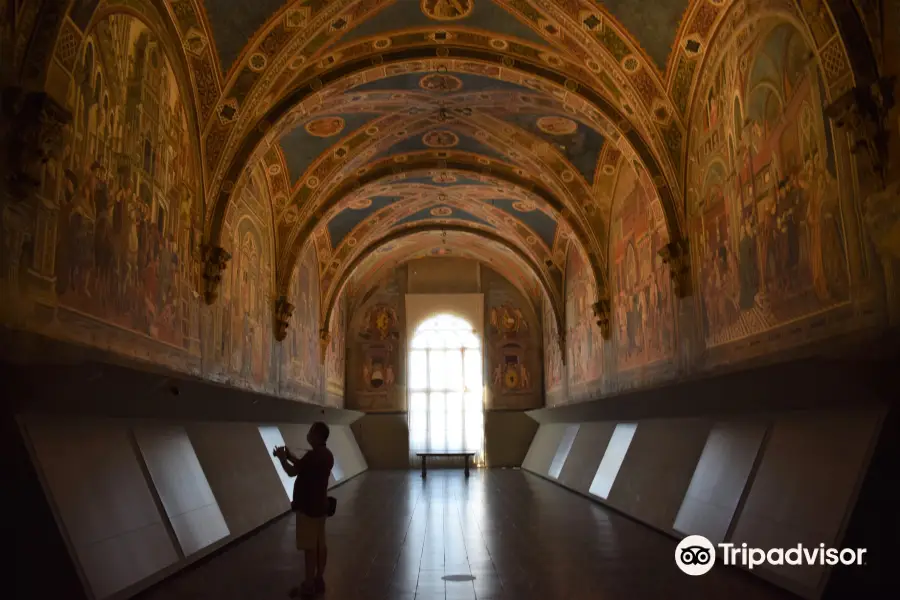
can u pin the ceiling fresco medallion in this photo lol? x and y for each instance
(360, 203)
(325, 127)
(554, 125)
(441, 211)
(296, 18)
(523, 206)
(447, 10)
(444, 177)
(258, 62)
(440, 139)
(439, 82)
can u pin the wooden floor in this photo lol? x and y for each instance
(503, 534)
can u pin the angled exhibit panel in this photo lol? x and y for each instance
(804, 488)
(348, 459)
(612, 460)
(657, 469)
(271, 437)
(543, 448)
(722, 474)
(238, 466)
(103, 502)
(181, 486)
(562, 450)
(585, 455)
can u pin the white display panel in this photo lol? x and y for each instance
(562, 451)
(271, 437)
(612, 459)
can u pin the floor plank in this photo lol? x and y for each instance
(501, 535)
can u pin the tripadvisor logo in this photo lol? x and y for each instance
(696, 555)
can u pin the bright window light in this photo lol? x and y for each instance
(446, 402)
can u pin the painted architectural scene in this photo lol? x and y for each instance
(642, 304)
(106, 251)
(302, 364)
(584, 344)
(767, 224)
(335, 366)
(128, 206)
(243, 338)
(553, 363)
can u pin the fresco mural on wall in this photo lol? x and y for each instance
(512, 346)
(381, 331)
(376, 356)
(766, 223)
(553, 367)
(643, 301)
(584, 348)
(301, 354)
(112, 241)
(244, 336)
(334, 357)
(127, 189)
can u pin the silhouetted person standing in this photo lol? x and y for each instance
(311, 504)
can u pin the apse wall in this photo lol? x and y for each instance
(377, 357)
(773, 469)
(162, 494)
(106, 250)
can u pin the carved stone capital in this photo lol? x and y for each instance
(215, 260)
(863, 113)
(677, 256)
(32, 130)
(603, 314)
(324, 340)
(284, 310)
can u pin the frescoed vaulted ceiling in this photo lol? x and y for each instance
(505, 121)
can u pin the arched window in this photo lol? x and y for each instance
(446, 388)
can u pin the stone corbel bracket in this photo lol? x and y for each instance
(215, 260)
(863, 113)
(677, 255)
(284, 310)
(32, 130)
(603, 314)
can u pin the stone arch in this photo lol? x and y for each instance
(305, 234)
(850, 45)
(331, 296)
(47, 30)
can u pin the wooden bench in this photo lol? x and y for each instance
(424, 456)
